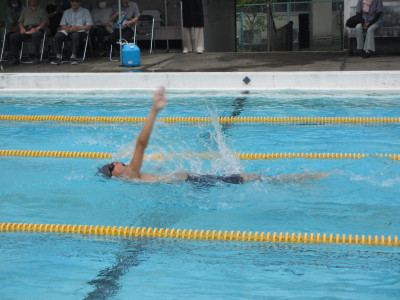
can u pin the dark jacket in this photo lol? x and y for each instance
(192, 11)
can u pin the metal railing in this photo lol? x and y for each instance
(317, 25)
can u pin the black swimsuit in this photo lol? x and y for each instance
(234, 179)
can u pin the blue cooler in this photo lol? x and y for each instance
(130, 55)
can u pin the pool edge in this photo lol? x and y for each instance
(332, 80)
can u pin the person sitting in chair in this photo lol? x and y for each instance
(129, 16)
(372, 12)
(13, 12)
(74, 24)
(32, 24)
(102, 27)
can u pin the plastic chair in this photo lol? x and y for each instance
(29, 41)
(145, 28)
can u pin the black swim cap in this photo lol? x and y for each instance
(105, 170)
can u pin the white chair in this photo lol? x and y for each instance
(3, 40)
(144, 30)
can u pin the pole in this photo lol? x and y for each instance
(120, 31)
(166, 22)
(241, 31)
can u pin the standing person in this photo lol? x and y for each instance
(14, 10)
(192, 13)
(129, 16)
(55, 12)
(74, 24)
(102, 27)
(372, 13)
(32, 24)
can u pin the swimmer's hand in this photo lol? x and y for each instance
(159, 99)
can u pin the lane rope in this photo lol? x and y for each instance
(205, 234)
(204, 119)
(241, 156)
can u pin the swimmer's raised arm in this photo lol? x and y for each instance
(134, 167)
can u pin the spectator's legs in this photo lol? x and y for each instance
(127, 34)
(59, 38)
(370, 37)
(199, 39)
(98, 38)
(76, 37)
(7, 44)
(93, 37)
(360, 36)
(37, 38)
(17, 38)
(15, 43)
(187, 39)
(114, 36)
(101, 34)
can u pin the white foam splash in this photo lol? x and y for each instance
(375, 179)
(224, 159)
(226, 162)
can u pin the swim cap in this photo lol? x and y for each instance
(105, 170)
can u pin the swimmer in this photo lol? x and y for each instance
(132, 171)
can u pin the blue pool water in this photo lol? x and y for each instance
(359, 197)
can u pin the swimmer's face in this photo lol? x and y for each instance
(119, 167)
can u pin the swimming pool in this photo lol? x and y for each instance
(360, 197)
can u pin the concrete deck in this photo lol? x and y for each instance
(224, 62)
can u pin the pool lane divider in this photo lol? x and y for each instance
(57, 154)
(358, 120)
(241, 156)
(207, 235)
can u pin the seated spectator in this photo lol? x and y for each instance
(129, 16)
(372, 13)
(102, 27)
(32, 24)
(13, 12)
(55, 12)
(74, 24)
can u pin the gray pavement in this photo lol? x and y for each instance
(223, 62)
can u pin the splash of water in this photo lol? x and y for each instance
(375, 178)
(226, 162)
(178, 155)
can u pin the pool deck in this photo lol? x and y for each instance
(167, 68)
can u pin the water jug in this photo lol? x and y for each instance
(130, 55)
